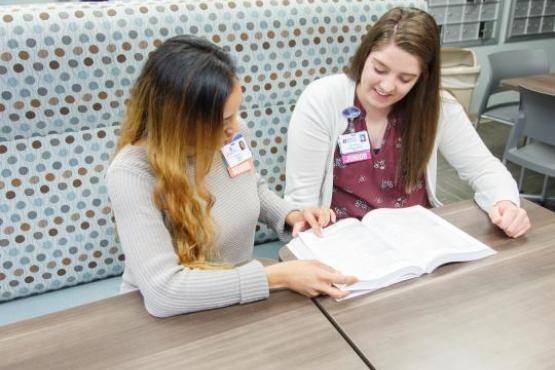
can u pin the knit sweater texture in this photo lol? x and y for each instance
(151, 263)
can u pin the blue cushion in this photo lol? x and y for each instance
(62, 299)
(56, 220)
(268, 250)
(42, 304)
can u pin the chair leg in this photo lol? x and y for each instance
(544, 188)
(520, 179)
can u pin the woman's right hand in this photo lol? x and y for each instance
(310, 278)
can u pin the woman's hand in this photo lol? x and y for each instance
(510, 218)
(314, 218)
(310, 278)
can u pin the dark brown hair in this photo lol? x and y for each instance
(416, 32)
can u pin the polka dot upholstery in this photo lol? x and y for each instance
(65, 73)
(57, 226)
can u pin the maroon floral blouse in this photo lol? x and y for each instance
(359, 187)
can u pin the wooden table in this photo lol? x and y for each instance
(543, 83)
(498, 317)
(496, 313)
(285, 331)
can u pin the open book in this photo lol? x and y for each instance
(388, 246)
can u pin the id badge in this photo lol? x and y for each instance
(238, 156)
(354, 147)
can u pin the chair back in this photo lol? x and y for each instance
(512, 63)
(538, 111)
(536, 118)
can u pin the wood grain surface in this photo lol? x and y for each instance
(496, 313)
(285, 331)
(543, 83)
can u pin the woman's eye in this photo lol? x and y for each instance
(380, 71)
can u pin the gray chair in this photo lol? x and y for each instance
(536, 122)
(509, 64)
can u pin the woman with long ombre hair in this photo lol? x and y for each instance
(186, 197)
(369, 138)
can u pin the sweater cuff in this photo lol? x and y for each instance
(486, 203)
(275, 214)
(253, 282)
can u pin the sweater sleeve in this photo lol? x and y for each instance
(467, 153)
(308, 147)
(168, 287)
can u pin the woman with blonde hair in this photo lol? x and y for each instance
(186, 197)
(369, 138)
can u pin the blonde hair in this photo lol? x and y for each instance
(176, 108)
(416, 32)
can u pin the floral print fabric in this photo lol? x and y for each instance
(362, 186)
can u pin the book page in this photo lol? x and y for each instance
(350, 248)
(423, 237)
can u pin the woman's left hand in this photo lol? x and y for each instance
(314, 218)
(510, 218)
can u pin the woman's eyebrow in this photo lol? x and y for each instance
(382, 64)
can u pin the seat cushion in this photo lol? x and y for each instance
(505, 113)
(268, 250)
(536, 156)
(62, 299)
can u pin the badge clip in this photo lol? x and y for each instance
(350, 113)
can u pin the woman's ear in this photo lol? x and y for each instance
(228, 134)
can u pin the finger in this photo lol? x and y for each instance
(333, 292)
(516, 224)
(313, 293)
(333, 216)
(339, 278)
(506, 219)
(520, 225)
(297, 228)
(348, 279)
(323, 217)
(495, 216)
(309, 217)
(523, 231)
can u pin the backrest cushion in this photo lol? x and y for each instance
(65, 73)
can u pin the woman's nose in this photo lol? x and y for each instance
(387, 85)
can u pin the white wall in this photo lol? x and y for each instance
(483, 51)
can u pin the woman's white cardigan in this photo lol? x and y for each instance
(317, 122)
